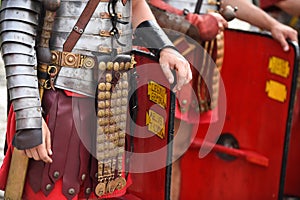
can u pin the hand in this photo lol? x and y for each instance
(42, 151)
(171, 59)
(281, 33)
(222, 23)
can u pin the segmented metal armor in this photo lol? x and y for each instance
(19, 25)
(99, 37)
(26, 28)
(40, 60)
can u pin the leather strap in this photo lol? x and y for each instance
(80, 25)
(198, 7)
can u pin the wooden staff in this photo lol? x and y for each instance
(19, 161)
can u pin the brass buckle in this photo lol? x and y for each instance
(50, 72)
(47, 85)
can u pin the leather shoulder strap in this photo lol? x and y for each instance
(80, 25)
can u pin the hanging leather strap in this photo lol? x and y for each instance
(198, 7)
(80, 25)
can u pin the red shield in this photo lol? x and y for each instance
(249, 160)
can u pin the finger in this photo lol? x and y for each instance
(225, 23)
(284, 44)
(167, 72)
(34, 154)
(48, 146)
(182, 74)
(190, 75)
(293, 35)
(28, 153)
(47, 139)
(220, 24)
(43, 155)
(47, 134)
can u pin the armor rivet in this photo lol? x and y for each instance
(183, 110)
(184, 101)
(56, 174)
(101, 104)
(71, 191)
(83, 177)
(198, 109)
(108, 86)
(110, 66)
(88, 190)
(127, 65)
(116, 66)
(48, 187)
(102, 66)
(102, 86)
(108, 77)
(122, 65)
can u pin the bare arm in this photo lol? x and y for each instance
(168, 57)
(290, 6)
(141, 12)
(257, 17)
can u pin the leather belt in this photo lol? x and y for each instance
(68, 59)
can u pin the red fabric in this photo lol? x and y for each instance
(10, 131)
(33, 173)
(73, 94)
(164, 6)
(267, 3)
(56, 194)
(206, 24)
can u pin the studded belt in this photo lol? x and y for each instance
(68, 59)
(48, 73)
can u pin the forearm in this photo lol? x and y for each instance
(290, 6)
(251, 14)
(150, 35)
(140, 12)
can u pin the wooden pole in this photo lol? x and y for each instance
(16, 175)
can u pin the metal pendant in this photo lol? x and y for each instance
(100, 189)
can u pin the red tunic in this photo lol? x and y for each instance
(74, 168)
